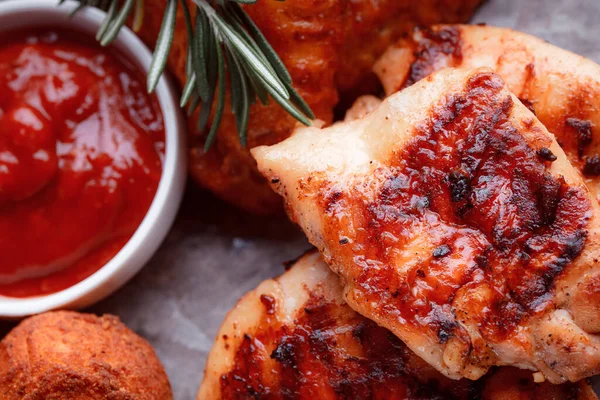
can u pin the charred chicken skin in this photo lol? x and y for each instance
(329, 48)
(295, 338)
(561, 88)
(455, 220)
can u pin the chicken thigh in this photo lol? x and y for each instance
(294, 338)
(562, 88)
(455, 220)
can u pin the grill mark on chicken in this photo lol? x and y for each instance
(583, 132)
(491, 198)
(460, 186)
(530, 75)
(592, 166)
(331, 200)
(433, 46)
(374, 364)
(269, 303)
(546, 154)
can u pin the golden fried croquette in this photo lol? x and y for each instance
(68, 355)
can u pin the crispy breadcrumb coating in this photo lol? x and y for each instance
(68, 355)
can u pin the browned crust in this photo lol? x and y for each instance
(68, 355)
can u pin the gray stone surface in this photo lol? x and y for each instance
(215, 253)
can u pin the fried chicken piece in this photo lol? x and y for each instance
(456, 221)
(562, 88)
(68, 355)
(294, 337)
(326, 46)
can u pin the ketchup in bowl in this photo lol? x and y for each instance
(81, 151)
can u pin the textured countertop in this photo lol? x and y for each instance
(215, 253)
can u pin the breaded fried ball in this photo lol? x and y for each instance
(68, 355)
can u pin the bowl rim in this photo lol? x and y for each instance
(161, 214)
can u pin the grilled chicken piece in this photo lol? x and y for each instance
(562, 88)
(326, 46)
(455, 220)
(295, 338)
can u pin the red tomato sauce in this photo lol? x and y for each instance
(81, 151)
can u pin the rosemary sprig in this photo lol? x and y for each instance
(223, 42)
(163, 44)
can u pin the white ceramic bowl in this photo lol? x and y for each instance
(18, 14)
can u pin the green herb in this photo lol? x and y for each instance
(223, 42)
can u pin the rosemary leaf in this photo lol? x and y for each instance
(190, 84)
(188, 21)
(117, 23)
(110, 15)
(251, 92)
(263, 43)
(200, 50)
(239, 96)
(257, 87)
(285, 104)
(248, 100)
(252, 58)
(193, 57)
(212, 76)
(239, 28)
(235, 78)
(293, 111)
(220, 97)
(163, 45)
(195, 101)
(245, 117)
(189, 88)
(300, 103)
